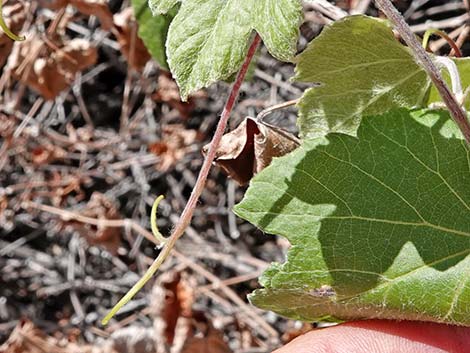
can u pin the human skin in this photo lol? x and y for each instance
(376, 336)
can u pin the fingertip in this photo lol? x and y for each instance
(383, 336)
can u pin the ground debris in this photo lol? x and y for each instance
(49, 69)
(175, 143)
(213, 342)
(28, 338)
(99, 207)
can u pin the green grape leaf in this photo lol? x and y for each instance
(159, 7)
(463, 66)
(153, 30)
(362, 69)
(208, 39)
(379, 223)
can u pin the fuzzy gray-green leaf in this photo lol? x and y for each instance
(159, 7)
(208, 39)
(362, 70)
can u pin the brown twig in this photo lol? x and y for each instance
(456, 111)
(244, 307)
(442, 24)
(66, 215)
(327, 9)
(230, 281)
(360, 7)
(463, 35)
(273, 108)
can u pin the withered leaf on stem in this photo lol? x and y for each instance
(250, 148)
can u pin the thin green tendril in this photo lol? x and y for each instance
(150, 271)
(153, 220)
(5, 28)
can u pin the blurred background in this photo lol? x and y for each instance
(92, 130)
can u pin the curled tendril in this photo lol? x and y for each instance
(153, 221)
(465, 97)
(445, 36)
(454, 74)
(150, 271)
(5, 28)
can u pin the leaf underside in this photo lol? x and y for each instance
(208, 39)
(362, 69)
(160, 7)
(463, 66)
(379, 224)
(153, 30)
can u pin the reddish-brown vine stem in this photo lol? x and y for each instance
(457, 112)
(188, 211)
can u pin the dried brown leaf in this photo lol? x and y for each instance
(8, 125)
(52, 70)
(98, 8)
(132, 47)
(168, 92)
(172, 309)
(213, 342)
(100, 207)
(53, 4)
(28, 338)
(25, 338)
(250, 148)
(172, 301)
(123, 25)
(176, 142)
(47, 153)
